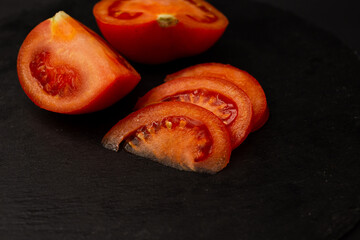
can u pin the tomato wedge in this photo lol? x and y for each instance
(157, 31)
(65, 67)
(176, 134)
(240, 78)
(221, 97)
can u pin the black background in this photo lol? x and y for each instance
(296, 178)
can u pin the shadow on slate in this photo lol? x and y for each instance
(296, 178)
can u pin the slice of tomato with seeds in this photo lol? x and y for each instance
(221, 97)
(157, 31)
(176, 134)
(240, 78)
(65, 67)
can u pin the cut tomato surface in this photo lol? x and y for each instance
(65, 67)
(240, 78)
(219, 96)
(157, 31)
(176, 134)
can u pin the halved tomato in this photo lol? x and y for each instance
(157, 31)
(221, 97)
(240, 78)
(65, 67)
(176, 134)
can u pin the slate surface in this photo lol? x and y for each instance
(296, 178)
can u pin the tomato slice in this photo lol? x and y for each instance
(221, 97)
(176, 134)
(157, 31)
(240, 78)
(65, 67)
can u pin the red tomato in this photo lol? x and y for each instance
(179, 135)
(157, 31)
(221, 97)
(64, 67)
(240, 78)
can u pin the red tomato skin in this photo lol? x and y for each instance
(239, 128)
(239, 77)
(117, 80)
(147, 42)
(113, 93)
(220, 151)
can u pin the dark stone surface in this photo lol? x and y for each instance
(341, 18)
(296, 178)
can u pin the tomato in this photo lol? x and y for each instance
(221, 97)
(240, 78)
(64, 67)
(157, 31)
(176, 134)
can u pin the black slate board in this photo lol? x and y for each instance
(296, 178)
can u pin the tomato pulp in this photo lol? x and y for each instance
(240, 78)
(176, 134)
(158, 31)
(221, 97)
(65, 67)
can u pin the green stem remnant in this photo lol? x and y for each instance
(166, 20)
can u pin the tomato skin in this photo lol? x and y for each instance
(239, 77)
(200, 91)
(102, 75)
(147, 42)
(220, 151)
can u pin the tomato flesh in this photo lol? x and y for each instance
(65, 67)
(131, 9)
(61, 80)
(193, 133)
(158, 31)
(114, 11)
(222, 106)
(221, 97)
(209, 16)
(176, 134)
(240, 78)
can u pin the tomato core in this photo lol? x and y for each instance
(172, 132)
(220, 105)
(166, 20)
(55, 80)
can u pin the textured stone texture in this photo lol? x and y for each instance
(296, 178)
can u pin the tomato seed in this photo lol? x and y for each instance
(221, 106)
(181, 128)
(59, 80)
